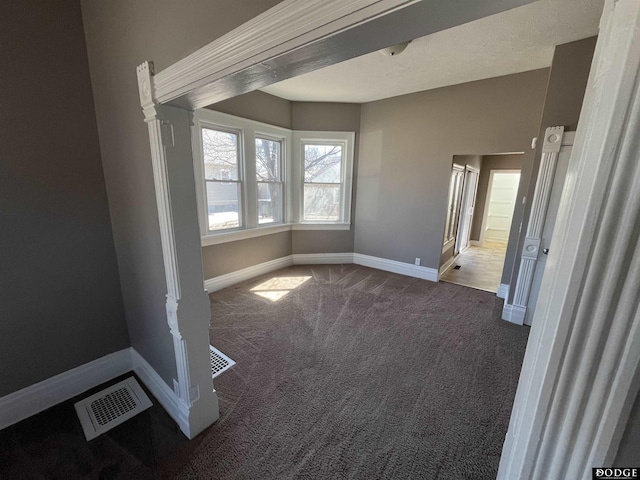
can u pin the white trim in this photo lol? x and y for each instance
(553, 141)
(38, 397)
(322, 258)
(347, 141)
(448, 244)
(227, 237)
(320, 226)
(223, 281)
(513, 313)
(446, 266)
(394, 266)
(503, 291)
(169, 400)
(285, 27)
(577, 381)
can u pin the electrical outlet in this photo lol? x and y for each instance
(417, 261)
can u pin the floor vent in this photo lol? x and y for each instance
(111, 407)
(457, 267)
(219, 362)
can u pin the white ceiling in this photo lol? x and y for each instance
(514, 41)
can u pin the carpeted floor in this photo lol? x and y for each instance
(342, 372)
(349, 372)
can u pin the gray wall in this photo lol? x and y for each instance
(59, 288)
(563, 102)
(338, 117)
(231, 256)
(406, 147)
(491, 162)
(630, 442)
(121, 34)
(258, 106)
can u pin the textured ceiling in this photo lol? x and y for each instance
(515, 41)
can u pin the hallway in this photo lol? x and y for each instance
(480, 267)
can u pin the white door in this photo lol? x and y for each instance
(466, 212)
(501, 202)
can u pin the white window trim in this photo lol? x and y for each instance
(347, 139)
(249, 130)
(292, 176)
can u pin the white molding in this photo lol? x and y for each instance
(503, 291)
(287, 26)
(513, 313)
(320, 226)
(223, 281)
(189, 315)
(394, 266)
(169, 400)
(544, 182)
(322, 258)
(347, 140)
(38, 397)
(217, 239)
(577, 381)
(446, 266)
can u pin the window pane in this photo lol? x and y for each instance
(322, 163)
(268, 160)
(322, 202)
(269, 203)
(220, 154)
(222, 204)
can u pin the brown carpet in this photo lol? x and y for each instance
(358, 374)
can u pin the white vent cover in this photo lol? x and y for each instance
(111, 407)
(219, 362)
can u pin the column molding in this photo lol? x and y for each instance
(184, 315)
(517, 312)
(580, 372)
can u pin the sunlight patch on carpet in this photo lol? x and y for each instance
(277, 287)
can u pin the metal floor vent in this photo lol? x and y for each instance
(111, 407)
(219, 362)
(457, 267)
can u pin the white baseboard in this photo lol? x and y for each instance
(161, 391)
(514, 314)
(503, 291)
(446, 266)
(36, 398)
(322, 258)
(393, 266)
(229, 279)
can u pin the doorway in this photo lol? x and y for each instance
(483, 220)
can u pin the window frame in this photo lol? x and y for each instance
(204, 218)
(346, 140)
(282, 175)
(248, 131)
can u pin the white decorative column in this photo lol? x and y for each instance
(581, 370)
(517, 312)
(188, 309)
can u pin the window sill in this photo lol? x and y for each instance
(321, 226)
(226, 237)
(218, 238)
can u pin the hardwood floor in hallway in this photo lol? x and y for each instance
(480, 267)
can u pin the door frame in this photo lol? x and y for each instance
(464, 207)
(566, 386)
(485, 212)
